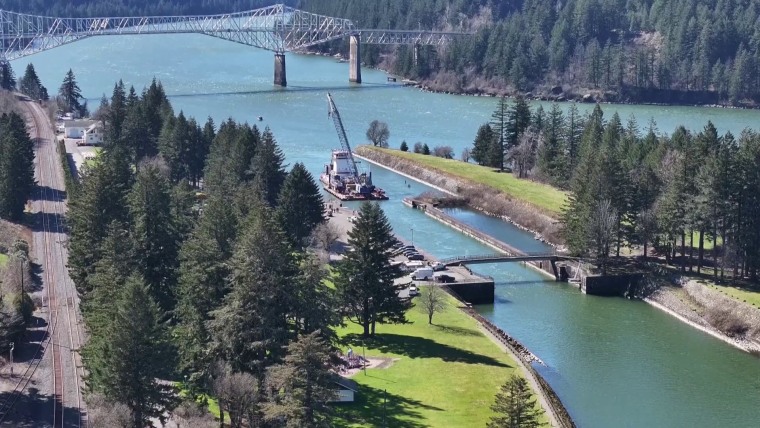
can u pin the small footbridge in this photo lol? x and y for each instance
(536, 259)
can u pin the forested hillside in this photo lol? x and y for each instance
(674, 51)
(691, 51)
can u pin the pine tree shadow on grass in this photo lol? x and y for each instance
(377, 408)
(459, 331)
(418, 347)
(32, 409)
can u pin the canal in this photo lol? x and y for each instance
(615, 363)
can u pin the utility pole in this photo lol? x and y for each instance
(13, 345)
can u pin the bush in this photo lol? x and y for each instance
(404, 147)
(417, 147)
(445, 152)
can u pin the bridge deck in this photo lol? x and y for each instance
(500, 258)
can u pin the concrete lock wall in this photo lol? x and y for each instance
(474, 293)
(610, 285)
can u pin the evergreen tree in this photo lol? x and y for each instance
(365, 277)
(404, 147)
(154, 234)
(302, 384)
(268, 169)
(483, 146)
(518, 121)
(299, 205)
(30, 85)
(203, 285)
(69, 94)
(314, 302)
(16, 166)
(514, 406)
(499, 123)
(552, 157)
(251, 327)
(7, 77)
(100, 200)
(126, 361)
(425, 149)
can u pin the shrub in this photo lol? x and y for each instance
(445, 152)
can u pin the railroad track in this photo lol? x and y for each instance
(60, 291)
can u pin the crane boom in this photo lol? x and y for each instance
(332, 111)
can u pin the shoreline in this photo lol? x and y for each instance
(705, 329)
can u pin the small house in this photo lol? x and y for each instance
(76, 128)
(345, 389)
(93, 135)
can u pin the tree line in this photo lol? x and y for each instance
(192, 247)
(668, 193)
(637, 48)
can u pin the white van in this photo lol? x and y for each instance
(414, 265)
(425, 273)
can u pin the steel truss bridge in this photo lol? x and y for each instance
(276, 28)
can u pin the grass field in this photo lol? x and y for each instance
(442, 375)
(3, 260)
(742, 293)
(543, 196)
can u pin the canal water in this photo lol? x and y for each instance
(615, 363)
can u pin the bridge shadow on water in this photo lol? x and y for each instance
(419, 347)
(33, 409)
(292, 88)
(378, 408)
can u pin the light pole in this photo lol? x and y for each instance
(412, 229)
(13, 345)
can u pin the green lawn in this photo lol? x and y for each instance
(546, 197)
(742, 293)
(444, 375)
(3, 260)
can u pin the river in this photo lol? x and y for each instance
(615, 363)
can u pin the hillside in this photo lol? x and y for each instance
(665, 51)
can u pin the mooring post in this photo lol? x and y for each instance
(280, 78)
(355, 59)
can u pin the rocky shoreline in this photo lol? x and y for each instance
(696, 305)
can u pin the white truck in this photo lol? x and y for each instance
(424, 274)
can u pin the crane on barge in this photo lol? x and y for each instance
(341, 177)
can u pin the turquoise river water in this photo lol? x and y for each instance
(613, 362)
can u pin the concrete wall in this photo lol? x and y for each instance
(609, 285)
(476, 293)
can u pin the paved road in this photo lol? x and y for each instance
(48, 380)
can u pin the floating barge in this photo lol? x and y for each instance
(339, 180)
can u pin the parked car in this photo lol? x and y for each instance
(416, 256)
(413, 291)
(445, 278)
(438, 266)
(408, 252)
(424, 273)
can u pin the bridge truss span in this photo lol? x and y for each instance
(276, 28)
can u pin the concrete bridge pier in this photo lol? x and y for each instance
(280, 78)
(355, 59)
